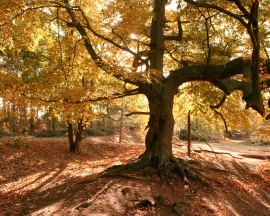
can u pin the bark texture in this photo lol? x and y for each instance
(74, 145)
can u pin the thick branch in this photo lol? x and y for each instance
(88, 26)
(212, 73)
(219, 75)
(223, 119)
(82, 32)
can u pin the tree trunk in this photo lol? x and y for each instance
(160, 96)
(161, 123)
(49, 123)
(32, 125)
(121, 126)
(54, 123)
(74, 145)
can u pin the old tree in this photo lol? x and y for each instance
(155, 46)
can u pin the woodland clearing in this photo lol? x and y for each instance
(43, 178)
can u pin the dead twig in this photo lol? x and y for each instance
(90, 201)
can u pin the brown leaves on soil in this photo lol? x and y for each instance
(43, 178)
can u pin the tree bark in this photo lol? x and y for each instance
(54, 123)
(74, 145)
(32, 125)
(161, 123)
(157, 36)
(159, 94)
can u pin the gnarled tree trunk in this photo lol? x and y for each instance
(160, 95)
(158, 141)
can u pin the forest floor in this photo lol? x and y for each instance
(40, 177)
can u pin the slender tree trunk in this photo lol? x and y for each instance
(13, 122)
(121, 126)
(70, 136)
(54, 123)
(74, 145)
(32, 125)
(49, 123)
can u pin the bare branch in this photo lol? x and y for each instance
(215, 107)
(221, 102)
(89, 27)
(222, 10)
(137, 113)
(223, 119)
(66, 101)
(180, 33)
(241, 7)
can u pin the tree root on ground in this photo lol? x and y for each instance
(127, 168)
(90, 201)
(163, 169)
(157, 202)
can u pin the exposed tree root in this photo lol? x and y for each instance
(138, 165)
(163, 169)
(90, 201)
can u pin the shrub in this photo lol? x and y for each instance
(183, 134)
(4, 133)
(19, 142)
(50, 133)
(204, 138)
(98, 131)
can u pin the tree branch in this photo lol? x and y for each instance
(66, 101)
(180, 33)
(207, 5)
(137, 113)
(221, 102)
(76, 24)
(215, 107)
(208, 36)
(223, 119)
(241, 7)
(219, 75)
(81, 28)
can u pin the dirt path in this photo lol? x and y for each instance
(237, 148)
